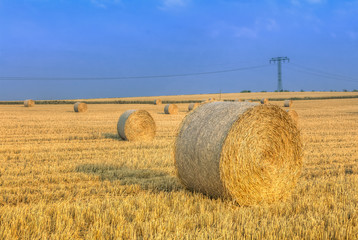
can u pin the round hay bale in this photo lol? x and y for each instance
(171, 109)
(29, 103)
(238, 100)
(192, 106)
(136, 125)
(287, 103)
(80, 107)
(246, 152)
(264, 101)
(293, 114)
(157, 102)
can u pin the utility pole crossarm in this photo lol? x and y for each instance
(279, 70)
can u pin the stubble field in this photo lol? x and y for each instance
(67, 175)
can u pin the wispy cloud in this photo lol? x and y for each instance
(253, 31)
(170, 4)
(104, 3)
(315, 1)
(245, 32)
(353, 35)
(299, 3)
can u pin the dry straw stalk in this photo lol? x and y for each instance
(157, 102)
(80, 107)
(264, 101)
(247, 152)
(136, 125)
(287, 103)
(192, 106)
(171, 109)
(29, 103)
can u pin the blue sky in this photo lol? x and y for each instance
(49, 39)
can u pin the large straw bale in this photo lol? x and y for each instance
(29, 103)
(80, 107)
(238, 100)
(246, 152)
(293, 114)
(136, 125)
(171, 109)
(264, 101)
(192, 106)
(157, 102)
(287, 103)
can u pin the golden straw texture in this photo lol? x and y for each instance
(264, 101)
(287, 103)
(29, 103)
(136, 125)
(192, 106)
(171, 109)
(80, 107)
(247, 152)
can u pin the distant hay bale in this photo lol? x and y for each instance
(29, 103)
(80, 107)
(246, 152)
(136, 125)
(287, 103)
(238, 100)
(293, 114)
(192, 106)
(171, 109)
(264, 101)
(247, 100)
(157, 102)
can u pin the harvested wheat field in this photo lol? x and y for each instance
(70, 176)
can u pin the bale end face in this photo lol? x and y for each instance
(136, 125)
(29, 103)
(80, 107)
(287, 103)
(157, 102)
(192, 106)
(293, 114)
(264, 101)
(242, 151)
(171, 109)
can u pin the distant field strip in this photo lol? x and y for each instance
(169, 101)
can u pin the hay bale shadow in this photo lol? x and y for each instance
(114, 136)
(147, 179)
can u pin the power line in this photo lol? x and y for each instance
(321, 73)
(133, 77)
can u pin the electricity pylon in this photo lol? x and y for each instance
(279, 72)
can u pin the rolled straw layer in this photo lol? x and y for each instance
(247, 152)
